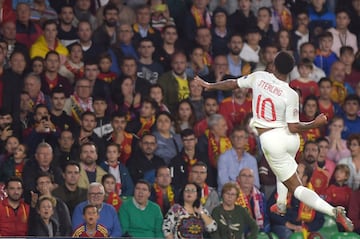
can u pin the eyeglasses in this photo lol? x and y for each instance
(96, 194)
(199, 172)
(231, 194)
(189, 190)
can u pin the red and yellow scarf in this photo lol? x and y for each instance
(114, 200)
(77, 72)
(258, 211)
(204, 194)
(199, 17)
(78, 106)
(125, 146)
(216, 148)
(159, 195)
(145, 125)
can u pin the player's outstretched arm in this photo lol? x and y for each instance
(229, 84)
(320, 120)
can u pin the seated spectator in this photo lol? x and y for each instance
(70, 192)
(143, 163)
(126, 12)
(234, 65)
(140, 217)
(353, 143)
(170, 45)
(298, 217)
(232, 220)
(281, 16)
(203, 39)
(14, 165)
(111, 193)
(352, 72)
(232, 161)
(284, 43)
(196, 99)
(8, 148)
(89, 170)
(211, 107)
(337, 145)
(84, 33)
(64, 150)
(32, 85)
(340, 89)
(42, 223)
(73, 67)
(251, 49)
(162, 193)
(48, 41)
(301, 32)
(14, 212)
(196, 65)
(124, 185)
(198, 175)
(107, 215)
(243, 18)
(67, 33)
(82, 10)
(44, 186)
(180, 219)
(326, 105)
(252, 199)
(101, 107)
(37, 65)
(105, 73)
(338, 193)
(168, 143)
(91, 228)
(34, 167)
(220, 32)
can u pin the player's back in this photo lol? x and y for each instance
(274, 103)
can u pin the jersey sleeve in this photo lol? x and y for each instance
(292, 108)
(247, 81)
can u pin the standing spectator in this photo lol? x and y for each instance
(243, 19)
(189, 212)
(325, 57)
(107, 215)
(234, 160)
(341, 34)
(80, 101)
(140, 217)
(105, 34)
(89, 171)
(148, 69)
(14, 212)
(70, 192)
(26, 30)
(48, 41)
(232, 220)
(67, 33)
(51, 78)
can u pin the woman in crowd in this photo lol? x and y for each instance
(337, 145)
(188, 219)
(185, 116)
(73, 68)
(232, 220)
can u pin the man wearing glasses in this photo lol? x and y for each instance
(108, 216)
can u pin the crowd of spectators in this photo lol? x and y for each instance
(104, 132)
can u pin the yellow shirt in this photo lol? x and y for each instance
(183, 91)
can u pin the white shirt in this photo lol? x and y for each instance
(249, 54)
(274, 103)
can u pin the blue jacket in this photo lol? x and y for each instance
(127, 185)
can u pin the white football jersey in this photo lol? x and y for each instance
(274, 103)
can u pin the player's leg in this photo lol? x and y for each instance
(312, 199)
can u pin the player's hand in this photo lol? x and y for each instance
(201, 82)
(321, 120)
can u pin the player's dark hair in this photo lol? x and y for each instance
(284, 63)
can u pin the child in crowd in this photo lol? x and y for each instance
(160, 15)
(37, 65)
(325, 57)
(103, 126)
(306, 85)
(338, 193)
(105, 63)
(111, 188)
(73, 68)
(90, 228)
(123, 183)
(157, 94)
(15, 164)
